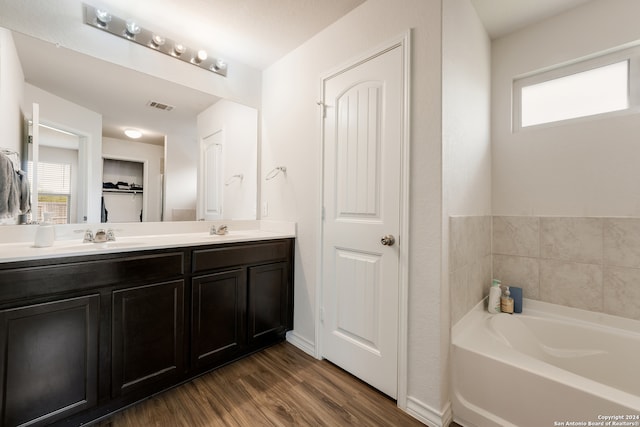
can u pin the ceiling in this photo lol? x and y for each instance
(501, 17)
(255, 32)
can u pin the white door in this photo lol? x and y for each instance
(363, 131)
(212, 176)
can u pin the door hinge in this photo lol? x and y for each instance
(321, 314)
(323, 213)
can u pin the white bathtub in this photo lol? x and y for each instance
(549, 366)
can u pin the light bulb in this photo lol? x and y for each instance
(200, 56)
(157, 40)
(132, 29)
(178, 49)
(102, 17)
(219, 65)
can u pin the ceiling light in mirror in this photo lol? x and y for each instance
(133, 133)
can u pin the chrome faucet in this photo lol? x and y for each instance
(88, 237)
(100, 236)
(223, 229)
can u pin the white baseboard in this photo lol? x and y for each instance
(426, 414)
(302, 343)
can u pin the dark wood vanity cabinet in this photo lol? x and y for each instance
(148, 336)
(49, 359)
(218, 317)
(81, 337)
(269, 314)
(242, 299)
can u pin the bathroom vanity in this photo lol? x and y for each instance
(85, 334)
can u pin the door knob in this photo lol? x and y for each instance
(388, 240)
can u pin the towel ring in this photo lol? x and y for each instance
(275, 171)
(237, 176)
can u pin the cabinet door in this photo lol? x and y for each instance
(48, 360)
(218, 317)
(268, 303)
(148, 336)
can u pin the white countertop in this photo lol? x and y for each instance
(25, 250)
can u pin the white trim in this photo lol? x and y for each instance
(302, 343)
(405, 198)
(427, 415)
(404, 41)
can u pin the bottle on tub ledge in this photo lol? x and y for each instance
(516, 294)
(494, 297)
(506, 302)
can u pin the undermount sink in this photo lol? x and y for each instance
(103, 245)
(116, 244)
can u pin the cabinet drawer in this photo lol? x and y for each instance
(231, 256)
(51, 279)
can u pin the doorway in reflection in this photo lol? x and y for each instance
(57, 177)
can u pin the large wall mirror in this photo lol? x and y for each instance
(85, 104)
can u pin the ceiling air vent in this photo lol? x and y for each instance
(160, 106)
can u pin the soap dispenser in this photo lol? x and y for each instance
(506, 302)
(45, 234)
(494, 297)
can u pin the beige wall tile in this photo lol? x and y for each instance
(572, 239)
(522, 272)
(622, 242)
(516, 235)
(572, 284)
(458, 286)
(479, 280)
(622, 292)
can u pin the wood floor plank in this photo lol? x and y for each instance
(277, 387)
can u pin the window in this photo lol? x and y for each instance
(54, 190)
(589, 88)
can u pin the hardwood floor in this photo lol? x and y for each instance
(279, 386)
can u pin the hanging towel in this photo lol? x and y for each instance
(25, 192)
(9, 189)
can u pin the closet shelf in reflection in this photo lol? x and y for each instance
(113, 190)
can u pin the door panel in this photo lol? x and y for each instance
(49, 360)
(363, 131)
(219, 307)
(148, 336)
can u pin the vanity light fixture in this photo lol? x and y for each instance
(132, 31)
(133, 133)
